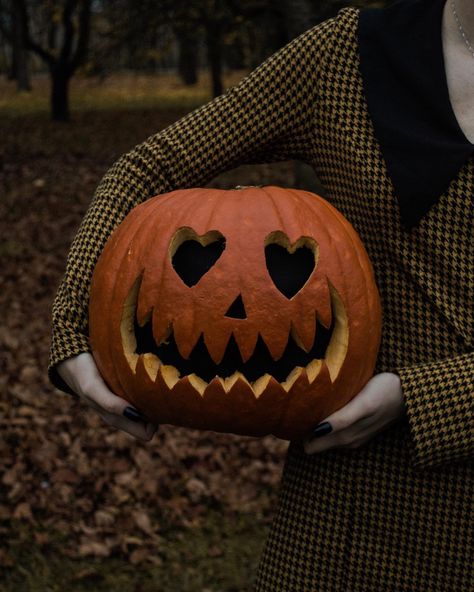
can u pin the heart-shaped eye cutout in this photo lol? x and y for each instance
(290, 265)
(192, 255)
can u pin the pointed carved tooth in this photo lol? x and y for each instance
(169, 374)
(186, 331)
(261, 384)
(151, 363)
(216, 345)
(144, 317)
(198, 383)
(246, 342)
(272, 404)
(132, 359)
(161, 327)
(307, 405)
(292, 378)
(304, 332)
(229, 381)
(296, 337)
(276, 341)
(185, 341)
(313, 369)
(162, 332)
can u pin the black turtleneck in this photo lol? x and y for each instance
(404, 77)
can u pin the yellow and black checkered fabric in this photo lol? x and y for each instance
(396, 514)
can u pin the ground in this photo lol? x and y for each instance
(83, 506)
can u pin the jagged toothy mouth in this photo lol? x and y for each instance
(329, 347)
(259, 363)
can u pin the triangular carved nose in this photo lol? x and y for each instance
(237, 309)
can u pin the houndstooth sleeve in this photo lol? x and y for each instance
(439, 402)
(267, 117)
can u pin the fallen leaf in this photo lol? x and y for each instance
(139, 556)
(65, 475)
(23, 511)
(215, 551)
(104, 518)
(142, 520)
(94, 548)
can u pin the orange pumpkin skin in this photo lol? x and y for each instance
(135, 278)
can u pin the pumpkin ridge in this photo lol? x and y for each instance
(123, 275)
(368, 290)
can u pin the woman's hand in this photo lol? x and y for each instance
(378, 404)
(82, 376)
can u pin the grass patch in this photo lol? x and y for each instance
(215, 556)
(119, 91)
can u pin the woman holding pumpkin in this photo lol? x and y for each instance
(389, 129)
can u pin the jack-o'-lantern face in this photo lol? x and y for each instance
(251, 311)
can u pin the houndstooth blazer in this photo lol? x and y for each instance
(396, 514)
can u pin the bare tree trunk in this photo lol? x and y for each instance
(60, 78)
(5, 58)
(214, 54)
(298, 16)
(64, 61)
(19, 52)
(188, 59)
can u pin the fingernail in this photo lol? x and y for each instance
(322, 429)
(133, 414)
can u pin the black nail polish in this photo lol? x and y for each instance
(322, 429)
(133, 414)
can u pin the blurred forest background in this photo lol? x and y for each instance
(83, 506)
(102, 38)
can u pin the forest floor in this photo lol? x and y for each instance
(83, 506)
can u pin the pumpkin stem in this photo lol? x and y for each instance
(246, 187)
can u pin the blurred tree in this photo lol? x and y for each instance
(43, 23)
(218, 19)
(142, 35)
(13, 32)
(128, 34)
(188, 39)
(298, 16)
(222, 19)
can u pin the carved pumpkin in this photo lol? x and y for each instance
(252, 311)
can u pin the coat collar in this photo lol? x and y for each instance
(402, 67)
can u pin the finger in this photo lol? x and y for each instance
(92, 389)
(350, 438)
(342, 438)
(98, 393)
(359, 408)
(118, 412)
(142, 431)
(335, 440)
(339, 427)
(365, 435)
